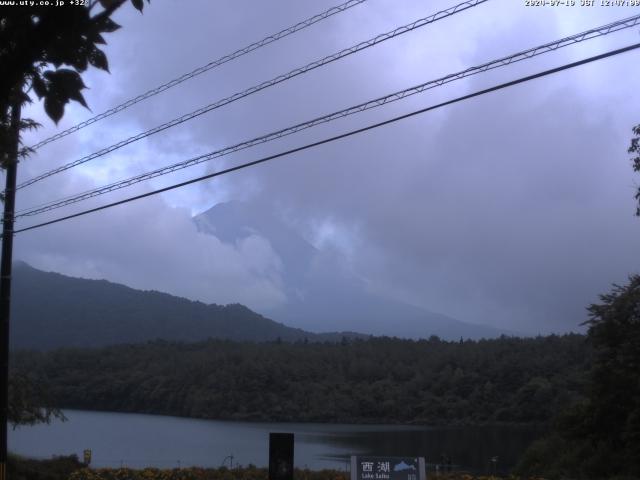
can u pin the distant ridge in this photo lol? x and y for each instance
(50, 310)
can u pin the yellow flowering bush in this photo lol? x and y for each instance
(247, 473)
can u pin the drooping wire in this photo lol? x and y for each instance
(523, 55)
(341, 136)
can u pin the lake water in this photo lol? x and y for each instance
(149, 440)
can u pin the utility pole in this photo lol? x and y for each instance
(11, 168)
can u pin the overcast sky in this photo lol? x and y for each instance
(513, 209)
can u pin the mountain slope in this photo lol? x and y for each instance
(322, 293)
(50, 310)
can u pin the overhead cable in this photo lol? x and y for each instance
(523, 55)
(338, 137)
(205, 68)
(257, 88)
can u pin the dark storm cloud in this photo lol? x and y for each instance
(488, 221)
(514, 209)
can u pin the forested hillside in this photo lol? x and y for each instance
(508, 380)
(76, 312)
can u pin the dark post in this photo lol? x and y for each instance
(281, 456)
(5, 281)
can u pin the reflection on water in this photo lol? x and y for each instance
(148, 440)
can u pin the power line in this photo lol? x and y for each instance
(341, 136)
(205, 68)
(274, 81)
(523, 55)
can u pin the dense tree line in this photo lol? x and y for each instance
(600, 436)
(506, 380)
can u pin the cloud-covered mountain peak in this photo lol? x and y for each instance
(234, 222)
(322, 293)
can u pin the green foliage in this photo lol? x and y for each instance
(634, 149)
(28, 403)
(381, 380)
(196, 473)
(246, 473)
(68, 468)
(44, 50)
(600, 437)
(614, 397)
(58, 468)
(58, 88)
(36, 38)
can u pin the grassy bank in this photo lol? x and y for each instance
(57, 468)
(248, 473)
(69, 468)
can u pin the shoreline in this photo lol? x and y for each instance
(70, 468)
(457, 425)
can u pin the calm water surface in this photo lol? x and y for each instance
(136, 440)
